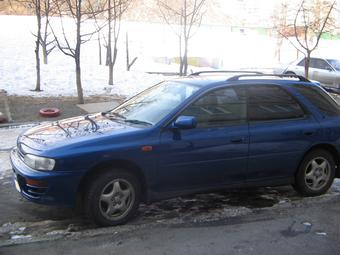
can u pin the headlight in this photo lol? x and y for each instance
(39, 163)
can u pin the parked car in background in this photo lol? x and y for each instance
(325, 71)
(188, 135)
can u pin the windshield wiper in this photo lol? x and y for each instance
(110, 114)
(141, 122)
(94, 125)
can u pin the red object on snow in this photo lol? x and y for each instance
(3, 118)
(49, 112)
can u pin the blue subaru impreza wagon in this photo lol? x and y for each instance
(200, 133)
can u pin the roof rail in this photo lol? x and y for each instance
(331, 90)
(237, 77)
(224, 71)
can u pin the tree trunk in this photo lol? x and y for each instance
(107, 58)
(99, 50)
(44, 42)
(77, 57)
(109, 44)
(307, 63)
(180, 57)
(45, 55)
(111, 65)
(127, 52)
(110, 74)
(37, 46)
(185, 57)
(279, 43)
(78, 80)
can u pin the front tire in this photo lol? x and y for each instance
(112, 198)
(315, 174)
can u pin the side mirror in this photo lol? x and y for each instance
(185, 122)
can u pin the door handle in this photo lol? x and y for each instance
(237, 140)
(308, 133)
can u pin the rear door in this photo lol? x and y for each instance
(280, 132)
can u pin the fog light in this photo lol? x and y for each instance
(36, 183)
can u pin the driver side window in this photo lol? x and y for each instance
(219, 108)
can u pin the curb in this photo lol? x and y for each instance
(21, 124)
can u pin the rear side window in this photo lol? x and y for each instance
(301, 63)
(319, 99)
(272, 103)
(319, 63)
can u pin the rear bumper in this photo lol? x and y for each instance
(45, 187)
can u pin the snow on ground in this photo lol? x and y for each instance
(233, 50)
(17, 67)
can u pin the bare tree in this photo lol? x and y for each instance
(182, 16)
(37, 6)
(115, 10)
(280, 19)
(78, 11)
(128, 63)
(47, 43)
(99, 49)
(311, 20)
(42, 9)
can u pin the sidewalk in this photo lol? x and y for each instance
(99, 107)
(8, 137)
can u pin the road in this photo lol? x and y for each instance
(248, 221)
(300, 230)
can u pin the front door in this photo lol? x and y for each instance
(213, 153)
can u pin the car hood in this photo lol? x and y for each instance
(71, 130)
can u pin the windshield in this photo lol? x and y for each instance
(152, 105)
(335, 63)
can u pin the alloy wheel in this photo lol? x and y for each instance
(317, 173)
(116, 199)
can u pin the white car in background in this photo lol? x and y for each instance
(325, 71)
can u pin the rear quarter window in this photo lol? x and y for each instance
(266, 103)
(320, 99)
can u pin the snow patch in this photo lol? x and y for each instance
(15, 237)
(307, 224)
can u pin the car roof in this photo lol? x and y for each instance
(211, 79)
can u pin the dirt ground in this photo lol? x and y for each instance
(26, 109)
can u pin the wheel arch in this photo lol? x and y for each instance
(332, 150)
(109, 166)
(289, 72)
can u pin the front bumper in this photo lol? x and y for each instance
(46, 187)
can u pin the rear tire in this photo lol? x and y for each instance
(315, 174)
(112, 198)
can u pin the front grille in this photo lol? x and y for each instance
(20, 154)
(35, 191)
